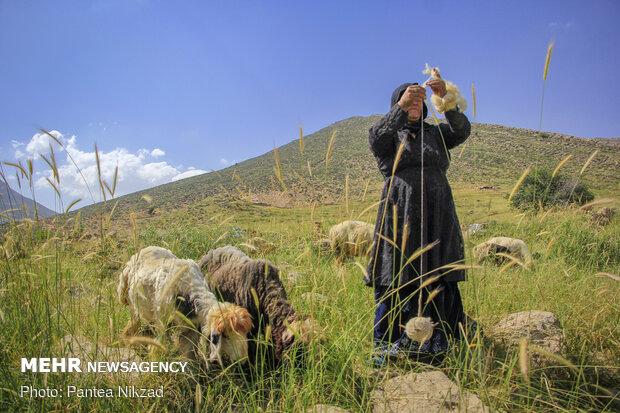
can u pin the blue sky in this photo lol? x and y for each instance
(163, 86)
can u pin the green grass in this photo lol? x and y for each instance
(59, 283)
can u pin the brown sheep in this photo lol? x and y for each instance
(255, 285)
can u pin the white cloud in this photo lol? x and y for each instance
(40, 143)
(135, 172)
(156, 153)
(188, 173)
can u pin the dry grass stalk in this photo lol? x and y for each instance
(346, 192)
(519, 183)
(609, 275)
(143, 341)
(560, 165)
(309, 168)
(197, 398)
(524, 360)
(545, 72)
(395, 222)
(369, 208)
(548, 60)
(330, 147)
(473, 100)
(419, 252)
(365, 190)
(589, 205)
(277, 168)
(301, 140)
(587, 162)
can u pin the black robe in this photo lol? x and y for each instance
(419, 196)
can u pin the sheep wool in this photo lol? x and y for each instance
(255, 284)
(420, 329)
(452, 99)
(512, 246)
(351, 238)
(155, 284)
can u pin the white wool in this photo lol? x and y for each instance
(154, 277)
(420, 329)
(452, 99)
(150, 284)
(351, 238)
(515, 247)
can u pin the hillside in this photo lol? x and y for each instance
(494, 155)
(16, 207)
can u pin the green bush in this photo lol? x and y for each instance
(542, 190)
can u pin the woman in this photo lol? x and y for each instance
(417, 209)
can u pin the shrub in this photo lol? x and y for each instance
(541, 189)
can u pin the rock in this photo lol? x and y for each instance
(430, 391)
(603, 216)
(475, 228)
(514, 247)
(542, 328)
(326, 408)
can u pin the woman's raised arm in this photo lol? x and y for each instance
(457, 130)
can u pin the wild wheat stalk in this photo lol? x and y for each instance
(330, 147)
(277, 168)
(560, 165)
(545, 72)
(515, 189)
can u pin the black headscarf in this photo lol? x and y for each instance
(398, 92)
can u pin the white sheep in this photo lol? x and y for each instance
(351, 238)
(513, 247)
(156, 285)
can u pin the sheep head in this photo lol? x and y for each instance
(228, 326)
(306, 331)
(420, 329)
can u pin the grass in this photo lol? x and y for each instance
(57, 281)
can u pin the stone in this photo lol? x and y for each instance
(541, 328)
(426, 392)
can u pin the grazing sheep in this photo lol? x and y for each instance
(255, 285)
(503, 245)
(155, 285)
(351, 238)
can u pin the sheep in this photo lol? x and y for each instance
(351, 238)
(255, 284)
(513, 247)
(155, 284)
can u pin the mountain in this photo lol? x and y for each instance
(494, 155)
(14, 206)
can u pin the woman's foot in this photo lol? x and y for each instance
(430, 352)
(383, 353)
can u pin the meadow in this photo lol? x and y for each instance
(59, 277)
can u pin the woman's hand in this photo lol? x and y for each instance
(412, 98)
(438, 86)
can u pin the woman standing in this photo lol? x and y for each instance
(417, 209)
